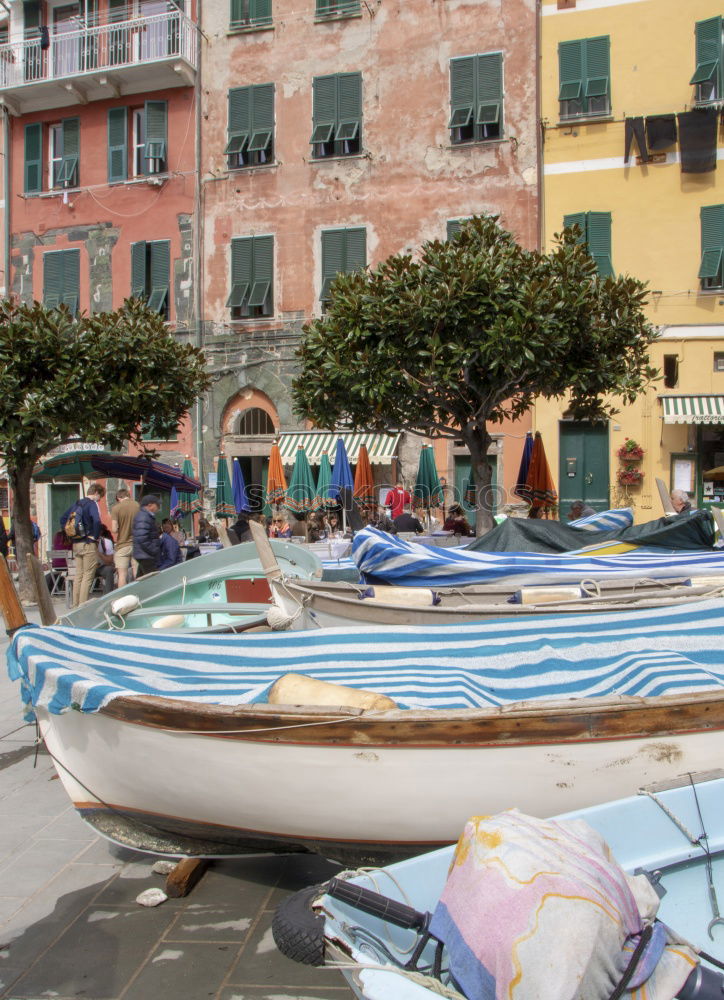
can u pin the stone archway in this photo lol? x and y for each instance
(249, 426)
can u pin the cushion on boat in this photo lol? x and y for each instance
(298, 689)
(540, 908)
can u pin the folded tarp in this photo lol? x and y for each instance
(639, 653)
(684, 533)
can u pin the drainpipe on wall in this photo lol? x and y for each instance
(6, 197)
(198, 242)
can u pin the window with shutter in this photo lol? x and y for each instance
(65, 153)
(251, 126)
(595, 234)
(337, 115)
(343, 251)
(476, 98)
(453, 227)
(711, 269)
(117, 145)
(584, 77)
(252, 276)
(156, 136)
(337, 8)
(150, 274)
(708, 75)
(250, 14)
(138, 270)
(61, 279)
(33, 174)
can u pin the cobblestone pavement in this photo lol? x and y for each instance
(69, 923)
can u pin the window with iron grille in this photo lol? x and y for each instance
(584, 77)
(337, 115)
(476, 98)
(255, 422)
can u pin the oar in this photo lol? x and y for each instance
(272, 569)
(665, 498)
(42, 594)
(10, 604)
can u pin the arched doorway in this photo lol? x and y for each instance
(250, 425)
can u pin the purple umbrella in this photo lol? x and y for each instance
(238, 487)
(520, 488)
(149, 471)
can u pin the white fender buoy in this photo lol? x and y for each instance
(122, 605)
(168, 621)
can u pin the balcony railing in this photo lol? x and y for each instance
(104, 47)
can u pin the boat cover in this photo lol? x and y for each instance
(685, 532)
(384, 558)
(604, 520)
(539, 908)
(671, 650)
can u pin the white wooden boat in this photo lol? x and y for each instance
(167, 742)
(222, 591)
(371, 924)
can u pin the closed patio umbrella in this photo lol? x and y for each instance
(188, 500)
(175, 510)
(301, 492)
(276, 484)
(543, 495)
(427, 491)
(238, 487)
(520, 489)
(341, 476)
(364, 480)
(224, 499)
(324, 479)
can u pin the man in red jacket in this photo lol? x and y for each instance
(396, 499)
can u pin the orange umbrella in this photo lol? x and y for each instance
(539, 482)
(364, 481)
(276, 484)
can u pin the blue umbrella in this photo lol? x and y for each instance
(341, 473)
(520, 488)
(238, 487)
(176, 510)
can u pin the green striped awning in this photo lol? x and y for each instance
(693, 409)
(382, 448)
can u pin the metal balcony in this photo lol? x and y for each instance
(92, 63)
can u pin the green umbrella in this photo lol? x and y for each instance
(188, 502)
(427, 492)
(301, 492)
(324, 479)
(224, 497)
(67, 467)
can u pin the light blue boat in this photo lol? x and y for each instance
(672, 832)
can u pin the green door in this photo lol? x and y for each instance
(583, 469)
(465, 486)
(59, 500)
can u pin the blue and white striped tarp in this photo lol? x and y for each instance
(645, 653)
(605, 520)
(396, 561)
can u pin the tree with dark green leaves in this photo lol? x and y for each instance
(466, 332)
(96, 378)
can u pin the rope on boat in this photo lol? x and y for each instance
(696, 841)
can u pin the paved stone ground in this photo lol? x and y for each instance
(69, 923)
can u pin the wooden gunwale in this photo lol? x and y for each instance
(522, 723)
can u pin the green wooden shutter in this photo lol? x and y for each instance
(462, 91)
(156, 113)
(597, 65)
(709, 53)
(349, 105)
(68, 169)
(31, 16)
(52, 279)
(138, 270)
(117, 144)
(570, 70)
(453, 228)
(240, 272)
(262, 116)
(237, 13)
(712, 240)
(577, 219)
(33, 158)
(489, 88)
(239, 128)
(160, 274)
(262, 270)
(599, 241)
(356, 257)
(333, 245)
(261, 13)
(324, 115)
(71, 279)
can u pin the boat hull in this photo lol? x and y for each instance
(178, 778)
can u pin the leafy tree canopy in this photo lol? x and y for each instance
(472, 330)
(96, 378)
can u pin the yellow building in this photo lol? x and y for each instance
(647, 74)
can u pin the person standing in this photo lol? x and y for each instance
(85, 546)
(146, 543)
(122, 514)
(396, 500)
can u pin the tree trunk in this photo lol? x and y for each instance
(478, 441)
(20, 483)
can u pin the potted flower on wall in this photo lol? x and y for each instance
(630, 476)
(630, 451)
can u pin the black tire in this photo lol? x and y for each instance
(298, 931)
